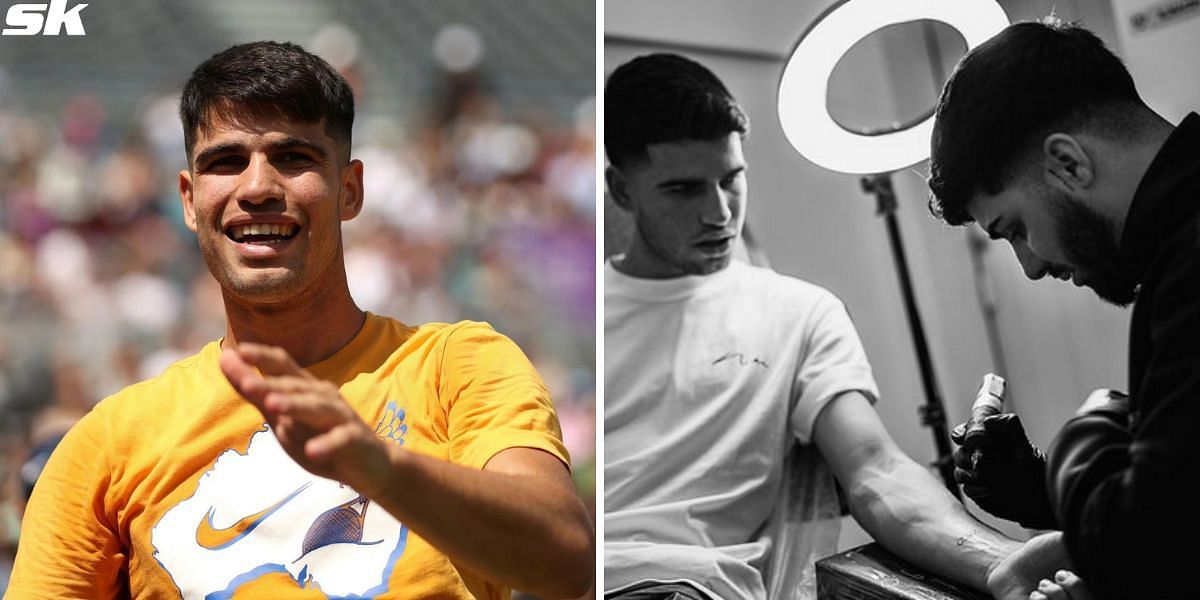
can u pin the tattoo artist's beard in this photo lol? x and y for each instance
(1090, 242)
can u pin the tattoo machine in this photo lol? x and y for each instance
(989, 401)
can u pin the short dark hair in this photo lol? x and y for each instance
(1008, 93)
(660, 98)
(267, 79)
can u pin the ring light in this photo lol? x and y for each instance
(803, 89)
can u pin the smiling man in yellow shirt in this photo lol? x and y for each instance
(316, 450)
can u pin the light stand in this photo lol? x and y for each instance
(933, 412)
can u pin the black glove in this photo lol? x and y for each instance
(1003, 472)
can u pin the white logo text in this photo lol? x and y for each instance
(27, 19)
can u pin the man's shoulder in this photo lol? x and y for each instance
(444, 339)
(183, 371)
(775, 286)
(1177, 262)
(439, 332)
(128, 413)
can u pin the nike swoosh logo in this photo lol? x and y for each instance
(218, 539)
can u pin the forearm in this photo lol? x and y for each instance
(909, 512)
(523, 530)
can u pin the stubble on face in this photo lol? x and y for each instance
(678, 258)
(1091, 243)
(280, 284)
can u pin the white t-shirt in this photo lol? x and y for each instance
(709, 382)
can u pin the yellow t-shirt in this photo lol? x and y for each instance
(175, 487)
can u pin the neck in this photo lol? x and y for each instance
(310, 330)
(641, 261)
(1134, 162)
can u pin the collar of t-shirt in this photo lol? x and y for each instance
(618, 284)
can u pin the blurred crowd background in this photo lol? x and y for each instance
(476, 124)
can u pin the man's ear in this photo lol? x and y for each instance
(351, 196)
(618, 188)
(185, 196)
(1066, 163)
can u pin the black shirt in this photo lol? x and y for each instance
(1123, 485)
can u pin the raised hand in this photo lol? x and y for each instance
(313, 423)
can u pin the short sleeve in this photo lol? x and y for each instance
(69, 547)
(493, 398)
(832, 362)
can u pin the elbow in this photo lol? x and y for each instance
(576, 578)
(578, 564)
(570, 566)
(898, 497)
(868, 502)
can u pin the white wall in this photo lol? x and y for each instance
(1155, 53)
(1058, 342)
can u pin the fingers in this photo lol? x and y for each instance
(963, 455)
(285, 392)
(1048, 590)
(271, 360)
(321, 447)
(316, 404)
(294, 436)
(1074, 586)
(967, 444)
(975, 452)
(977, 492)
(243, 377)
(353, 455)
(255, 369)
(1005, 428)
(964, 459)
(968, 477)
(251, 384)
(1066, 586)
(290, 433)
(1003, 440)
(958, 434)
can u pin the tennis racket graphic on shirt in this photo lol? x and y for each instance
(341, 524)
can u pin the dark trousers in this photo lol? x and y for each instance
(653, 590)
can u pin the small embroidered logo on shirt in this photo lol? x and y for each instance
(741, 360)
(391, 425)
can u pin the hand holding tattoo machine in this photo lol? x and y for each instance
(988, 401)
(997, 465)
